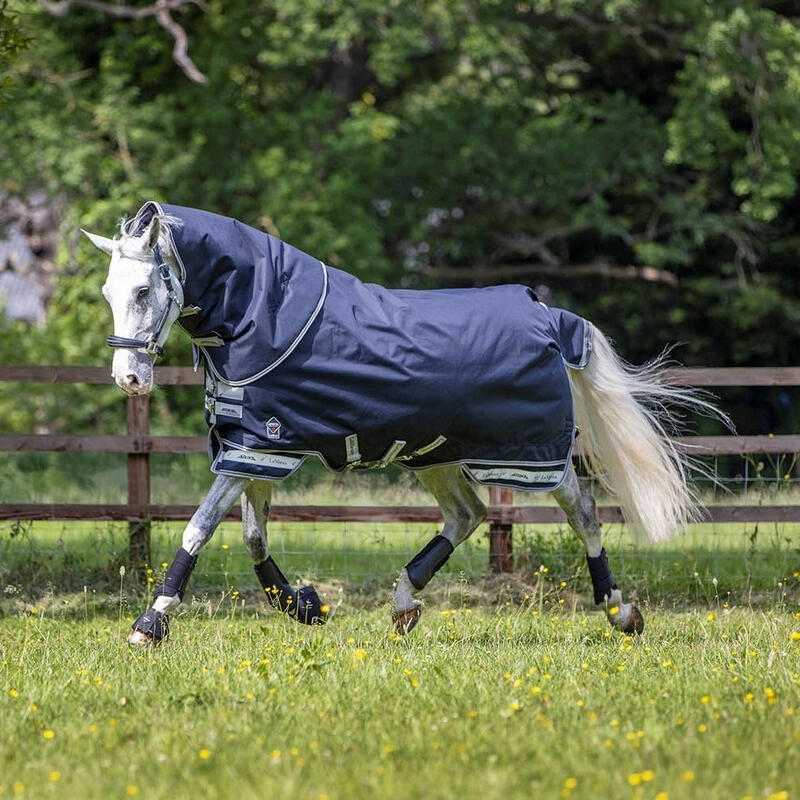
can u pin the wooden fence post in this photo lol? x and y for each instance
(139, 483)
(501, 550)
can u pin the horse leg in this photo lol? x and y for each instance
(462, 512)
(579, 506)
(302, 604)
(153, 626)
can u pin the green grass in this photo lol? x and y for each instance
(480, 701)
(509, 688)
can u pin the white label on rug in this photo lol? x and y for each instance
(521, 476)
(261, 459)
(227, 410)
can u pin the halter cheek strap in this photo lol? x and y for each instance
(154, 346)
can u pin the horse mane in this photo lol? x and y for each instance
(133, 228)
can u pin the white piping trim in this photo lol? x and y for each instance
(289, 350)
(586, 354)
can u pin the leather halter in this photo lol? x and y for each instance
(151, 345)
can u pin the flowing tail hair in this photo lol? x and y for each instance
(621, 413)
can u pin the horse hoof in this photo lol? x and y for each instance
(308, 608)
(141, 639)
(406, 621)
(627, 619)
(635, 624)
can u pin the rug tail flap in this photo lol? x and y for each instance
(574, 336)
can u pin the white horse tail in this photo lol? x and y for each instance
(621, 415)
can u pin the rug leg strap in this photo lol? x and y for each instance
(603, 580)
(428, 561)
(302, 604)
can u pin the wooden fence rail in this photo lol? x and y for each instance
(137, 444)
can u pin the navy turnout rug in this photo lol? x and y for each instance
(302, 359)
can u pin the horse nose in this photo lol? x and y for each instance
(130, 383)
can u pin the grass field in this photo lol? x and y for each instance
(509, 688)
(478, 702)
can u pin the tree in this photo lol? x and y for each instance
(638, 158)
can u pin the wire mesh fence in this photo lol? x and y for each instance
(710, 562)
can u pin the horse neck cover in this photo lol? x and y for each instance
(308, 360)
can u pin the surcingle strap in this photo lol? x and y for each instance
(177, 575)
(428, 561)
(603, 580)
(303, 604)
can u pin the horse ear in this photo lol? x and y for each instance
(152, 232)
(100, 242)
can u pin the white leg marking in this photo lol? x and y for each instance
(404, 593)
(164, 604)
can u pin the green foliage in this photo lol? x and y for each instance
(12, 42)
(436, 143)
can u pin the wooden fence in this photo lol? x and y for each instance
(137, 443)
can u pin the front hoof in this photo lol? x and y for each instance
(636, 623)
(140, 639)
(626, 618)
(150, 629)
(405, 621)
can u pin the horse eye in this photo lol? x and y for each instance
(142, 292)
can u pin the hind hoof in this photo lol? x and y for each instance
(406, 621)
(307, 608)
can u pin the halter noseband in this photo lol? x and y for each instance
(151, 346)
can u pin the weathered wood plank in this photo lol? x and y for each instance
(100, 443)
(186, 376)
(107, 443)
(740, 445)
(531, 515)
(24, 373)
(735, 376)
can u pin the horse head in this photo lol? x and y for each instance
(145, 296)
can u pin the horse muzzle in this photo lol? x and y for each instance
(133, 372)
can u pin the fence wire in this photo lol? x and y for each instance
(711, 561)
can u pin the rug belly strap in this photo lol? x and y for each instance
(603, 580)
(428, 561)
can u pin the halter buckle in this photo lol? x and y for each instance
(153, 349)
